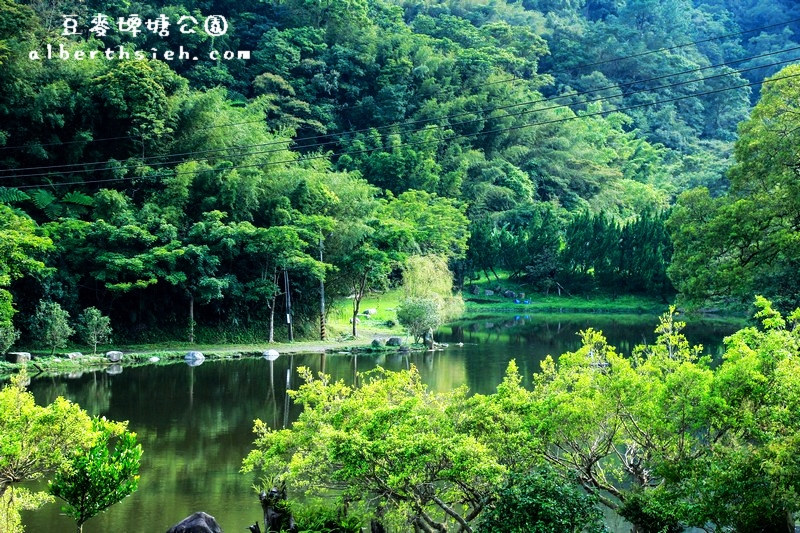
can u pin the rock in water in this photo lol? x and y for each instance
(199, 522)
(271, 355)
(114, 356)
(194, 358)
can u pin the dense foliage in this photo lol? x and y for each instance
(97, 478)
(663, 438)
(61, 439)
(185, 198)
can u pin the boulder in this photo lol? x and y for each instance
(521, 295)
(487, 292)
(18, 357)
(114, 356)
(194, 357)
(369, 312)
(376, 343)
(154, 359)
(510, 294)
(73, 355)
(114, 369)
(199, 522)
(394, 341)
(270, 355)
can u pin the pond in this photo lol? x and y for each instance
(195, 423)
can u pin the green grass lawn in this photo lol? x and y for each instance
(595, 303)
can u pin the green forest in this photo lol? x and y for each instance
(238, 172)
(604, 146)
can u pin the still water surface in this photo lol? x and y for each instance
(195, 424)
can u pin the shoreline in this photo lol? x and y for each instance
(172, 352)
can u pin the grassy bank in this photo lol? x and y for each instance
(381, 322)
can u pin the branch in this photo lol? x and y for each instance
(449, 510)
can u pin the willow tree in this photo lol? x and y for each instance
(428, 299)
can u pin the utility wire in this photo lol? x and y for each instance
(453, 137)
(476, 86)
(340, 135)
(432, 126)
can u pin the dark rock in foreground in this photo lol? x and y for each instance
(199, 522)
(394, 341)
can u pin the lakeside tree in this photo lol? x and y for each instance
(50, 325)
(541, 501)
(94, 327)
(390, 441)
(428, 299)
(96, 478)
(669, 442)
(19, 248)
(732, 247)
(385, 111)
(34, 441)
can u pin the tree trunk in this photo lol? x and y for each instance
(191, 318)
(288, 305)
(322, 334)
(272, 321)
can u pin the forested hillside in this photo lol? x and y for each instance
(549, 139)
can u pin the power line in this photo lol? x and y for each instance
(513, 79)
(453, 137)
(538, 110)
(677, 46)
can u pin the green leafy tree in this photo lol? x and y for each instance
(540, 501)
(50, 325)
(428, 295)
(389, 441)
(19, 247)
(34, 441)
(730, 248)
(419, 316)
(94, 327)
(666, 441)
(98, 477)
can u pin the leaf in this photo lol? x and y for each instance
(10, 195)
(42, 198)
(79, 198)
